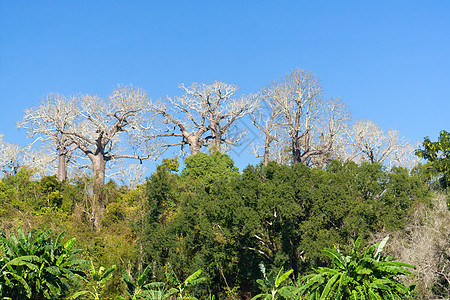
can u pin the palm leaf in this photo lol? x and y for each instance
(283, 277)
(193, 276)
(380, 248)
(335, 256)
(329, 286)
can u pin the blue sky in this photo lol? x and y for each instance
(389, 60)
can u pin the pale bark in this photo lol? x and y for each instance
(202, 108)
(310, 120)
(366, 141)
(96, 127)
(43, 123)
(62, 167)
(11, 158)
(98, 204)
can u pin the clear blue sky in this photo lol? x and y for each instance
(389, 60)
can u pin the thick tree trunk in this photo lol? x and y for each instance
(216, 137)
(218, 143)
(296, 151)
(194, 147)
(98, 205)
(62, 168)
(266, 150)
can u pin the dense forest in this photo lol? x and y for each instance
(213, 218)
(337, 209)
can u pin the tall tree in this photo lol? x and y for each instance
(366, 141)
(202, 108)
(267, 119)
(12, 158)
(101, 129)
(438, 154)
(311, 121)
(46, 122)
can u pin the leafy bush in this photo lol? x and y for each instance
(366, 275)
(33, 266)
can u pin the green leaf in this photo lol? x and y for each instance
(78, 294)
(283, 277)
(172, 278)
(142, 278)
(328, 287)
(259, 296)
(171, 292)
(193, 276)
(69, 244)
(287, 292)
(335, 256)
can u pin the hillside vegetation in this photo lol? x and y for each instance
(226, 223)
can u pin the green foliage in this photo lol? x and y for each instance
(213, 218)
(279, 214)
(359, 275)
(180, 287)
(209, 170)
(171, 164)
(36, 267)
(271, 284)
(98, 278)
(438, 155)
(141, 288)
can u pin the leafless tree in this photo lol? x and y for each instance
(101, 129)
(310, 120)
(12, 157)
(129, 175)
(372, 142)
(46, 122)
(43, 159)
(404, 155)
(366, 141)
(203, 108)
(267, 119)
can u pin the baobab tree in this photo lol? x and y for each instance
(310, 120)
(365, 141)
(101, 129)
(204, 108)
(371, 143)
(44, 123)
(267, 119)
(12, 158)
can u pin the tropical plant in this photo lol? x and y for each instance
(181, 286)
(99, 278)
(36, 267)
(270, 284)
(366, 275)
(141, 288)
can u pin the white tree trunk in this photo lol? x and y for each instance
(98, 205)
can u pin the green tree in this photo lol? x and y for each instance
(438, 155)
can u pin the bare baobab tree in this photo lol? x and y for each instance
(267, 119)
(12, 158)
(101, 129)
(204, 108)
(45, 122)
(310, 120)
(366, 141)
